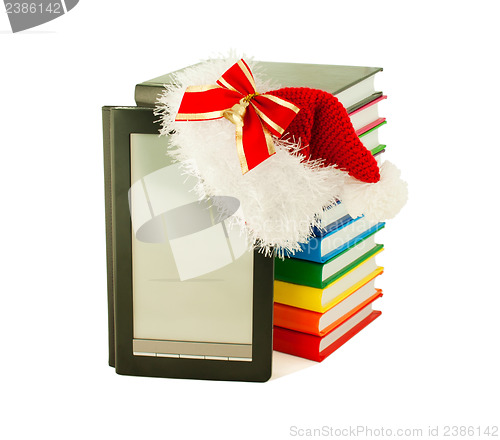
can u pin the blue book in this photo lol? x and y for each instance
(321, 248)
(332, 218)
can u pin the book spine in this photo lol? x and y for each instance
(296, 295)
(296, 319)
(297, 271)
(106, 128)
(296, 343)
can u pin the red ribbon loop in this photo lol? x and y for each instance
(255, 116)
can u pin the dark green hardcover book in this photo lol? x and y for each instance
(319, 275)
(353, 85)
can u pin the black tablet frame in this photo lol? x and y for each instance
(118, 124)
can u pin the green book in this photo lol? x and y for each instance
(379, 149)
(371, 141)
(352, 85)
(319, 275)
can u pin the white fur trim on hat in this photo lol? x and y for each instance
(281, 197)
(377, 201)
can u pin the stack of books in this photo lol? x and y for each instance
(323, 294)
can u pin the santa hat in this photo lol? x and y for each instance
(319, 160)
(326, 133)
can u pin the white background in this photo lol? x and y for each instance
(431, 359)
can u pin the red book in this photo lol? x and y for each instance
(317, 348)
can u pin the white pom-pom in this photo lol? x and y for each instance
(377, 201)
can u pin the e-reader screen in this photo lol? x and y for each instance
(192, 268)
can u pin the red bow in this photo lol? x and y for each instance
(256, 116)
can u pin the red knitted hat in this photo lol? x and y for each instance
(326, 132)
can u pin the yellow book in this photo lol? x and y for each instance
(321, 300)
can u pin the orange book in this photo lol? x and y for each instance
(320, 324)
(317, 348)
